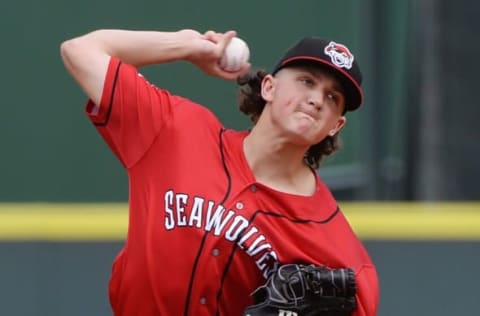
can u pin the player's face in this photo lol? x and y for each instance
(305, 103)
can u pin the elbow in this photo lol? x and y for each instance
(72, 49)
(83, 49)
(68, 49)
(64, 48)
(77, 53)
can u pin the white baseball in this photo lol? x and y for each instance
(236, 54)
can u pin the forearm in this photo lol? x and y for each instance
(138, 48)
(87, 57)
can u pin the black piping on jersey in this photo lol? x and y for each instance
(204, 238)
(252, 218)
(110, 103)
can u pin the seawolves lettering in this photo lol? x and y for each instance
(183, 211)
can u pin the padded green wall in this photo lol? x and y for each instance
(49, 150)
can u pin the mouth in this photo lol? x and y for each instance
(308, 113)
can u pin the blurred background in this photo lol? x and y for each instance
(407, 176)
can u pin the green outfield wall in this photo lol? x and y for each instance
(50, 151)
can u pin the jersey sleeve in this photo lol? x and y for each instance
(131, 112)
(367, 295)
(365, 272)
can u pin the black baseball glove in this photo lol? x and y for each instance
(305, 290)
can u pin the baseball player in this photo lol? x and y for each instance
(214, 213)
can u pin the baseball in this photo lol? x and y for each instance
(236, 54)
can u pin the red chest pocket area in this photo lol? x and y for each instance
(294, 240)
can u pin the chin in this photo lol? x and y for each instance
(310, 139)
(303, 139)
(305, 133)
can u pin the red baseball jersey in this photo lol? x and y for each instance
(203, 233)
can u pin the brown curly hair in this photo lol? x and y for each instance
(251, 103)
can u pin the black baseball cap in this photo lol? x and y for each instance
(335, 57)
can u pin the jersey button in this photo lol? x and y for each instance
(253, 188)
(203, 300)
(215, 252)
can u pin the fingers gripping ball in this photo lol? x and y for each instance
(236, 54)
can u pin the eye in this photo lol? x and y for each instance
(334, 98)
(307, 81)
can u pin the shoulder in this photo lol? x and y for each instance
(189, 112)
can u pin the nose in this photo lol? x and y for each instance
(312, 103)
(315, 100)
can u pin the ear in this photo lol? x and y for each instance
(342, 120)
(268, 88)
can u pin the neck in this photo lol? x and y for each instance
(277, 163)
(267, 155)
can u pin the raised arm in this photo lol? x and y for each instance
(86, 57)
